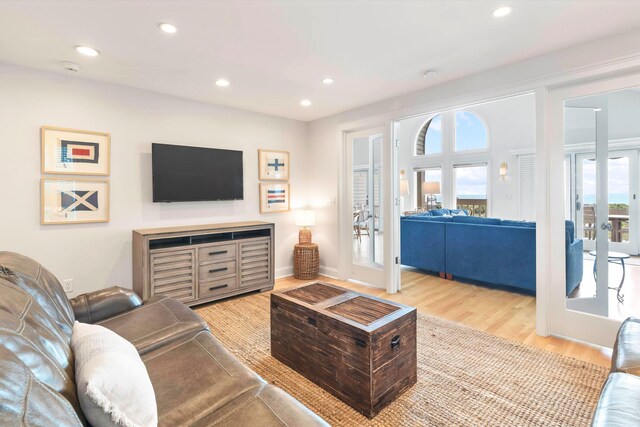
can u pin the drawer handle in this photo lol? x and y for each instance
(217, 270)
(395, 342)
(361, 343)
(218, 253)
(213, 288)
(311, 321)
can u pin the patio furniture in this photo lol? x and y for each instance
(616, 226)
(589, 221)
(613, 258)
(361, 223)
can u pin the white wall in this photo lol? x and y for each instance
(325, 134)
(99, 255)
(511, 126)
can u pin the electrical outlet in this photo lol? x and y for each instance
(67, 285)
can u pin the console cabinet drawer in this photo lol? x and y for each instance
(217, 287)
(217, 252)
(216, 270)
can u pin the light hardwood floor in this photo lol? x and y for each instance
(505, 314)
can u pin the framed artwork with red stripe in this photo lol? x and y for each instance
(274, 197)
(76, 152)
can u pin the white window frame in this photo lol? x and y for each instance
(472, 163)
(442, 139)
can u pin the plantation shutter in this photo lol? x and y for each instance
(360, 189)
(527, 186)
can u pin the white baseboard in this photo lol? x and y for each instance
(324, 270)
(329, 271)
(284, 272)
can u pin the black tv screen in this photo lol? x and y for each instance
(186, 174)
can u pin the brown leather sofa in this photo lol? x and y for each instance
(619, 403)
(196, 381)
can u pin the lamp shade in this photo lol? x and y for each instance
(305, 218)
(431, 187)
(404, 187)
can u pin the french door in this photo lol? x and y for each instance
(365, 188)
(582, 120)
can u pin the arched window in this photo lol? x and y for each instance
(471, 133)
(429, 139)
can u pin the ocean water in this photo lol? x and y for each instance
(622, 198)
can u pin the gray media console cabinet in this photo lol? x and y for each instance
(202, 263)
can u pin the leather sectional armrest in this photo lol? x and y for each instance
(95, 306)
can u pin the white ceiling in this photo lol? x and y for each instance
(275, 53)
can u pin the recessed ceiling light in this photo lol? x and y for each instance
(305, 102)
(222, 83)
(327, 80)
(165, 27)
(429, 74)
(502, 11)
(87, 51)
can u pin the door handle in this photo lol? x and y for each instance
(578, 206)
(606, 226)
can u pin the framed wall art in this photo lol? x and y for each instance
(74, 201)
(273, 165)
(77, 152)
(274, 198)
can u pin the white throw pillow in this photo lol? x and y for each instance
(114, 388)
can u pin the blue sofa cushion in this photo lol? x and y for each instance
(570, 230)
(454, 212)
(475, 220)
(439, 212)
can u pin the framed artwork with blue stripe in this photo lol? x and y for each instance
(273, 165)
(274, 197)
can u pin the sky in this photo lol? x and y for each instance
(618, 180)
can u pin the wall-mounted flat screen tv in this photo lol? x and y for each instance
(186, 174)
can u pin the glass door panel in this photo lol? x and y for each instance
(365, 182)
(376, 219)
(586, 129)
(621, 195)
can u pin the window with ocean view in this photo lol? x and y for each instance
(471, 188)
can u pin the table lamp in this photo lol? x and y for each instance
(305, 218)
(430, 189)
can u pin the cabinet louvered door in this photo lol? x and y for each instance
(255, 263)
(173, 274)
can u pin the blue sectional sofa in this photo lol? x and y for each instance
(489, 250)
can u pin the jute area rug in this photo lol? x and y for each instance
(465, 377)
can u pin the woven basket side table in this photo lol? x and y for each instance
(306, 261)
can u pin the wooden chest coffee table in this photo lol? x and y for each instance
(360, 348)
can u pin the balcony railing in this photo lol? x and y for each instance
(476, 207)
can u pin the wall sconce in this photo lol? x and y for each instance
(503, 171)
